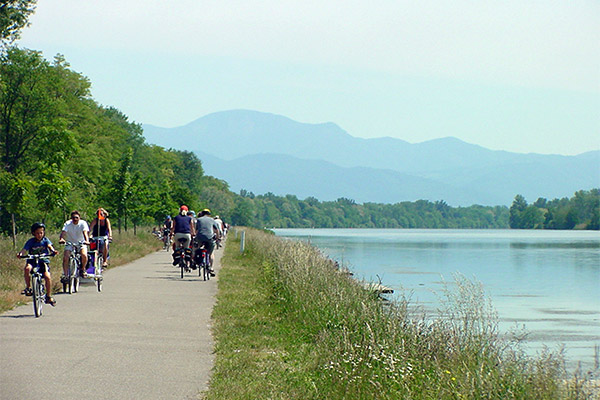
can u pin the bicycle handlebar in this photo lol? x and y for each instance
(105, 237)
(80, 243)
(36, 256)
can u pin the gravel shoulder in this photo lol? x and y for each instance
(147, 335)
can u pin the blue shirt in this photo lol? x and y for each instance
(35, 247)
(182, 224)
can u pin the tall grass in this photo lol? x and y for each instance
(290, 326)
(125, 247)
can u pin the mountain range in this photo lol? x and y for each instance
(263, 152)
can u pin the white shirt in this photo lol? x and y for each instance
(75, 231)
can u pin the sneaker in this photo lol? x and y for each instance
(50, 300)
(64, 279)
(211, 272)
(83, 273)
(27, 292)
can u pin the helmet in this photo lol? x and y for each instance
(193, 213)
(168, 217)
(37, 226)
(183, 208)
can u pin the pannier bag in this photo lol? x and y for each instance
(177, 255)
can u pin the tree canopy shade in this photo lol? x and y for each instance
(14, 15)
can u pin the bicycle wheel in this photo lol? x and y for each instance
(98, 271)
(38, 301)
(65, 283)
(208, 266)
(72, 275)
(182, 265)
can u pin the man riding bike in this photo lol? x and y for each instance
(166, 229)
(75, 231)
(208, 231)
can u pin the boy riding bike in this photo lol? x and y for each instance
(38, 244)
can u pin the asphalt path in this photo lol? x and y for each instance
(147, 335)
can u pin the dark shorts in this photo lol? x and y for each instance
(208, 245)
(44, 265)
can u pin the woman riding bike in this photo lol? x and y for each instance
(100, 227)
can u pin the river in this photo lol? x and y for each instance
(547, 282)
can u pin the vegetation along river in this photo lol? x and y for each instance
(547, 282)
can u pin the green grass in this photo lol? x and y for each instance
(289, 326)
(125, 247)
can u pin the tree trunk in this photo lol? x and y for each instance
(14, 230)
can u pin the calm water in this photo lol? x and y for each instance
(546, 281)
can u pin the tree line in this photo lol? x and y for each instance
(288, 211)
(582, 211)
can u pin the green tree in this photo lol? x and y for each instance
(516, 210)
(121, 190)
(14, 15)
(52, 190)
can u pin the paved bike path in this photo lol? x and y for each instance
(146, 336)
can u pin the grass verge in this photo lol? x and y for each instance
(125, 247)
(289, 326)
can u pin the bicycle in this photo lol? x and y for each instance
(202, 260)
(71, 281)
(95, 265)
(37, 281)
(183, 254)
(167, 239)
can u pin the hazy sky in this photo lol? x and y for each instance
(515, 75)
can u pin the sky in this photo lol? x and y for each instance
(515, 75)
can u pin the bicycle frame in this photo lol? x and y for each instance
(185, 253)
(96, 259)
(204, 262)
(72, 279)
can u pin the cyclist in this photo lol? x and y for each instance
(182, 228)
(192, 214)
(166, 228)
(208, 231)
(100, 227)
(75, 230)
(38, 244)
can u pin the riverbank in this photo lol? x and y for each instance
(289, 326)
(126, 247)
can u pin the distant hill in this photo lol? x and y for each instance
(264, 152)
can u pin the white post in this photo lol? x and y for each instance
(243, 241)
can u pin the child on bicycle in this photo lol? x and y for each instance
(38, 244)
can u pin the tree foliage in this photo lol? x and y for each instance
(579, 212)
(60, 150)
(14, 15)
